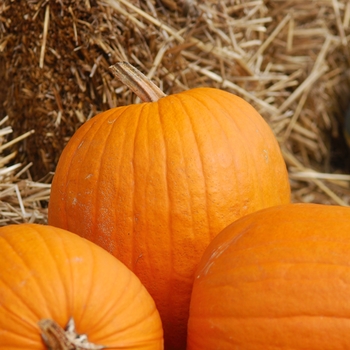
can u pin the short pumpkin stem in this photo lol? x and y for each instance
(137, 82)
(57, 338)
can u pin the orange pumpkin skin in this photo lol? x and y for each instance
(50, 273)
(275, 279)
(153, 183)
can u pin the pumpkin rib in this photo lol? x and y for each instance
(219, 99)
(217, 120)
(115, 180)
(248, 344)
(27, 305)
(99, 324)
(257, 184)
(158, 112)
(58, 269)
(208, 200)
(274, 241)
(40, 235)
(88, 295)
(248, 111)
(279, 263)
(134, 244)
(139, 207)
(141, 125)
(206, 269)
(275, 318)
(135, 320)
(125, 327)
(167, 298)
(20, 334)
(241, 134)
(103, 318)
(64, 250)
(79, 139)
(183, 102)
(100, 124)
(15, 317)
(256, 244)
(179, 97)
(186, 103)
(244, 142)
(98, 319)
(236, 250)
(134, 255)
(224, 288)
(97, 195)
(72, 167)
(184, 111)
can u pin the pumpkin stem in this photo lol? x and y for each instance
(57, 338)
(137, 82)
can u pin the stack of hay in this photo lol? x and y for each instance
(21, 198)
(288, 58)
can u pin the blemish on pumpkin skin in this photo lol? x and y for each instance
(138, 258)
(266, 156)
(76, 259)
(88, 176)
(22, 283)
(215, 254)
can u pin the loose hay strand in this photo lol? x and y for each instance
(45, 31)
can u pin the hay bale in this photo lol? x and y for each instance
(290, 59)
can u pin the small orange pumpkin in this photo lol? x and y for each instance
(154, 182)
(275, 279)
(49, 276)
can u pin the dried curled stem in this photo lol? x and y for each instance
(137, 82)
(57, 338)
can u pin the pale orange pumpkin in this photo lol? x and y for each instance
(154, 182)
(275, 279)
(49, 276)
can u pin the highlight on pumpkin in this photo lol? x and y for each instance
(60, 291)
(154, 182)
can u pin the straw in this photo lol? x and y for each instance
(21, 199)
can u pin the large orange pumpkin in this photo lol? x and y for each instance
(275, 279)
(49, 276)
(154, 182)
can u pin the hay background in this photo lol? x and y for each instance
(288, 58)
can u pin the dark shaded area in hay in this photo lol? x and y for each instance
(231, 45)
(55, 99)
